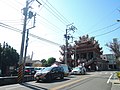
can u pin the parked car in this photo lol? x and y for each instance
(29, 70)
(66, 69)
(49, 74)
(79, 70)
(64, 66)
(37, 69)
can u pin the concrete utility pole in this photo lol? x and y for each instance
(75, 56)
(67, 36)
(20, 72)
(27, 15)
(24, 60)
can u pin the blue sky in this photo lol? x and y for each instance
(93, 17)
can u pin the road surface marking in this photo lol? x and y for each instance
(109, 78)
(68, 84)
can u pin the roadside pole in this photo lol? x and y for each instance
(75, 56)
(21, 64)
(67, 36)
(27, 15)
(66, 45)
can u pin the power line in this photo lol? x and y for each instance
(103, 28)
(39, 15)
(32, 35)
(42, 17)
(43, 39)
(107, 32)
(13, 6)
(10, 27)
(58, 12)
(50, 22)
(57, 15)
(54, 30)
(18, 2)
(43, 5)
(102, 19)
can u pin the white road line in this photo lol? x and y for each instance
(109, 78)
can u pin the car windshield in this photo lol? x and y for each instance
(47, 69)
(29, 68)
(38, 68)
(76, 68)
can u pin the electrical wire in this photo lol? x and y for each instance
(18, 2)
(12, 21)
(45, 19)
(56, 34)
(50, 22)
(103, 28)
(10, 27)
(58, 12)
(32, 35)
(53, 13)
(43, 6)
(107, 32)
(103, 19)
(12, 6)
(50, 28)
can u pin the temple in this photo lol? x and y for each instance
(86, 51)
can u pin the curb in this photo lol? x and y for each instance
(115, 82)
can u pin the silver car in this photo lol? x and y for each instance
(79, 70)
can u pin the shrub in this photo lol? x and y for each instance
(118, 74)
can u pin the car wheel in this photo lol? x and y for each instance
(37, 80)
(49, 79)
(62, 76)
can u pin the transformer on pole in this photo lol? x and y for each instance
(67, 36)
(27, 15)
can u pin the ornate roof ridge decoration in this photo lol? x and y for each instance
(84, 38)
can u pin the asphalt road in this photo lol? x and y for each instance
(97, 82)
(91, 81)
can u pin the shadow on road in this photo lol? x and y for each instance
(33, 87)
(54, 81)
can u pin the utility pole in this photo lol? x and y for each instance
(27, 15)
(67, 36)
(24, 60)
(20, 71)
(75, 56)
(66, 45)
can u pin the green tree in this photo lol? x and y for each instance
(9, 57)
(44, 63)
(51, 60)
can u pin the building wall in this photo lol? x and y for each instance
(111, 61)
